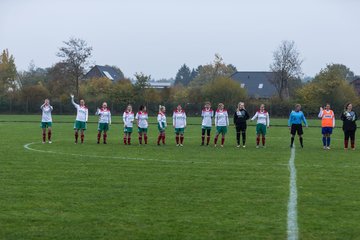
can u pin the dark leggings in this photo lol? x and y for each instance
(243, 133)
(207, 132)
(350, 134)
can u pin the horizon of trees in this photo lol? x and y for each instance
(24, 91)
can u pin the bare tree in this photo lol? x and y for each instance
(75, 54)
(286, 68)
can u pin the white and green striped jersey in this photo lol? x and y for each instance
(262, 118)
(221, 118)
(104, 115)
(161, 118)
(128, 119)
(82, 112)
(46, 113)
(142, 118)
(207, 115)
(179, 119)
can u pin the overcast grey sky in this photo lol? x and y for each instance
(156, 37)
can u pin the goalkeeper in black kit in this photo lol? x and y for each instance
(240, 118)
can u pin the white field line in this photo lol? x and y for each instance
(239, 163)
(292, 225)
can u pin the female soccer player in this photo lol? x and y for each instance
(142, 123)
(46, 120)
(295, 124)
(81, 118)
(179, 124)
(263, 122)
(240, 117)
(104, 121)
(327, 124)
(349, 118)
(221, 123)
(161, 118)
(128, 119)
(207, 114)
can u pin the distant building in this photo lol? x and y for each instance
(257, 84)
(104, 71)
(160, 84)
(356, 84)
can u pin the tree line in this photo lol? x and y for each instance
(23, 91)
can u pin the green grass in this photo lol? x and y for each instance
(114, 191)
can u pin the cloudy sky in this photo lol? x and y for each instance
(156, 37)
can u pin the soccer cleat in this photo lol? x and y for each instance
(328, 148)
(105, 143)
(43, 142)
(98, 142)
(353, 149)
(221, 145)
(50, 142)
(324, 147)
(291, 146)
(264, 146)
(177, 145)
(238, 146)
(181, 145)
(214, 145)
(257, 146)
(244, 146)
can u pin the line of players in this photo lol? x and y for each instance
(296, 119)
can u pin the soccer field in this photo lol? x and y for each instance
(90, 191)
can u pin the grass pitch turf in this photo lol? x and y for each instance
(91, 191)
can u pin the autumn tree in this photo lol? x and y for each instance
(286, 67)
(8, 81)
(209, 72)
(225, 90)
(328, 86)
(75, 54)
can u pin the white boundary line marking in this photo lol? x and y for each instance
(292, 225)
(238, 163)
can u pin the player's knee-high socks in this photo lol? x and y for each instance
(159, 138)
(301, 141)
(215, 139)
(105, 136)
(163, 138)
(244, 137)
(263, 140)
(238, 137)
(181, 139)
(257, 140)
(125, 139)
(177, 138)
(140, 138)
(222, 140)
(82, 137)
(145, 138)
(324, 141)
(328, 139)
(44, 136)
(129, 138)
(98, 137)
(49, 134)
(292, 141)
(76, 137)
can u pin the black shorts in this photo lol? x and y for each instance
(296, 128)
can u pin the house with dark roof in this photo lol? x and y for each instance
(104, 71)
(257, 84)
(356, 84)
